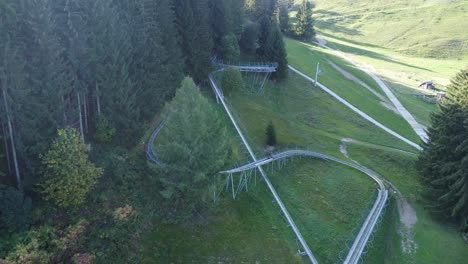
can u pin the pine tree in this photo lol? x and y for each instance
(443, 165)
(305, 24)
(264, 31)
(195, 152)
(249, 39)
(196, 37)
(236, 16)
(276, 52)
(220, 23)
(119, 93)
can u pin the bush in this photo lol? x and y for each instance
(15, 209)
(270, 135)
(104, 131)
(231, 80)
(68, 174)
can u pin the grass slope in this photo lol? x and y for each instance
(434, 28)
(304, 56)
(325, 199)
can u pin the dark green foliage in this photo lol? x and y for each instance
(249, 38)
(444, 163)
(305, 24)
(276, 52)
(230, 48)
(105, 132)
(220, 23)
(194, 143)
(258, 8)
(270, 135)
(194, 28)
(236, 16)
(231, 80)
(282, 18)
(264, 31)
(15, 209)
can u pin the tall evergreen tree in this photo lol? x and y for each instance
(195, 152)
(264, 31)
(196, 38)
(276, 52)
(119, 92)
(236, 16)
(305, 24)
(249, 39)
(444, 162)
(220, 23)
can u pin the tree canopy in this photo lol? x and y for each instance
(444, 163)
(195, 147)
(68, 174)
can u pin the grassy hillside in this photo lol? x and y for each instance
(404, 42)
(425, 28)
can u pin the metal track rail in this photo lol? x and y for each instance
(357, 111)
(299, 236)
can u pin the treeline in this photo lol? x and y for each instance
(107, 67)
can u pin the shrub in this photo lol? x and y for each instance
(231, 80)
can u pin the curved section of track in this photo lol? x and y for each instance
(373, 217)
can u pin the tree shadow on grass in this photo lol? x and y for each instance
(368, 53)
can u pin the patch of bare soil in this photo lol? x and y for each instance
(408, 219)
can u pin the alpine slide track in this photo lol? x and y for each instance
(247, 171)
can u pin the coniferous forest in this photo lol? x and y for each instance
(81, 83)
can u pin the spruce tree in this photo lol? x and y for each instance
(236, 16)
(196, 37)
(249, 39)
(220, 23)
(443, 165)
(305, 24)
(264, 31)
(276, 52)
